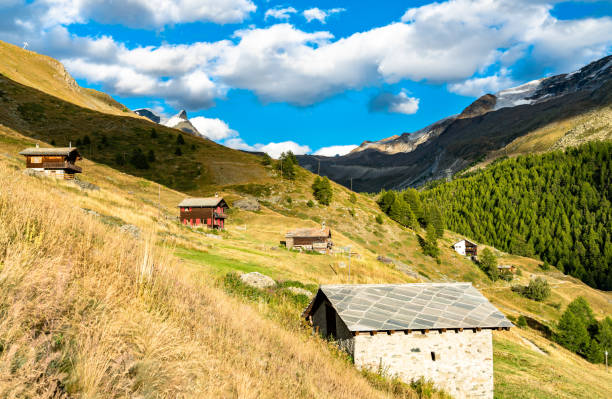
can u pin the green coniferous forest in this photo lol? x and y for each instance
(554, 206)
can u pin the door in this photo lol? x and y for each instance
(330, 320)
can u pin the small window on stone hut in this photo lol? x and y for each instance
(435, 356)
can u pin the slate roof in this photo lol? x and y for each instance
(36, 151)
(209, 202)
(317, 232)
(383, 307)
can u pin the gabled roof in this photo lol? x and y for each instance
(316, 232)
(430, 306)
(36, 151)
(466, 241)
(209, 202)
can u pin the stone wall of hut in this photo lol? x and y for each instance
(460, 363)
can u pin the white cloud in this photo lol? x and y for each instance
(280, 13)
(213, 128)
(320, 15)
(334, 150)
(395, 103)
(272, 149)
(447, 42)
(146, 13)
(476, 87)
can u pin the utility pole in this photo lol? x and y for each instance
(351, 184)
(606, 352)
(348, 248)
(159, 200)
(319, 168)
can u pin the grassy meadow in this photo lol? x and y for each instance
(95, 312)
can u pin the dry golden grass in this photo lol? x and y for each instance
(90, 312)
(48, 75)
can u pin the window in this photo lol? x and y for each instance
(36, 159)
(435, 356)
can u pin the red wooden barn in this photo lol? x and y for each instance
(209, 212)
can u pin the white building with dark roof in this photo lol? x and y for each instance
(441, 332)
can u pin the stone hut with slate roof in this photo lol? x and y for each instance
(441, 332)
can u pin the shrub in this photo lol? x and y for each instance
(351, 212)
(138, 159)
(151, 156)
(154, 134)
(379, 219)
(488, 263)
(521, 321)
(538, 289)
(353, 198)
(179, 139)
(119, 160)
(545, 266)
(310, 204)
(322, 190)
(266, 160)
(178, 151)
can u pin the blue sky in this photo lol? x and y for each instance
(309, 75)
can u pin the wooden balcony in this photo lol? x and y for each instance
(62, 165)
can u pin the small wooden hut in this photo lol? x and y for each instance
(309, 239)
(56, 162)
(209, 212)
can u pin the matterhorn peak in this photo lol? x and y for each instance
(181, 121)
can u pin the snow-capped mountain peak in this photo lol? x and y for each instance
(181, 121)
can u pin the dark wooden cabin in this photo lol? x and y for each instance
(317, 239)
(57, 162)
(209, 212)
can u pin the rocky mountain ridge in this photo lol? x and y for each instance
(488, 124)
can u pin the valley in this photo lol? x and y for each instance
(106, 294)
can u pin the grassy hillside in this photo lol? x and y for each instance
(97, 312)
(201, 167)
(49, 76)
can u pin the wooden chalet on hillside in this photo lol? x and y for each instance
(209, 212)
(309, 239)
(56, 162)
(466, 248)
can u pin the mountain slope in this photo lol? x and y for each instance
(198, 165)
(489, 124)
(49, 76)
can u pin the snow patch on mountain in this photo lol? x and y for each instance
(517, 95)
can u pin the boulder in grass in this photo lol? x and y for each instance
(247, 204)
(384, 259)
(257, 280)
